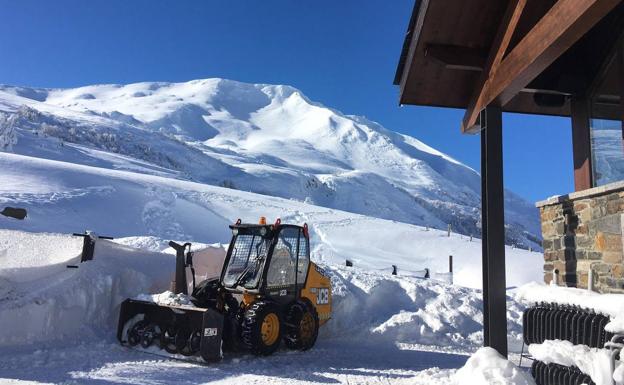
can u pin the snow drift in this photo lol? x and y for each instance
(488, 367)
(43, 301)
(68, 317)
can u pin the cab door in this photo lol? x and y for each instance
(281, 275)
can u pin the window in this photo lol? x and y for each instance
(282, 269)
(607, 151)
(247, 260)
(606, 125)
(304, 261)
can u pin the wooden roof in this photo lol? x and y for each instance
(450, 43)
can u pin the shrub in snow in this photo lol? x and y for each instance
(8, 135)
(227, 183)
(487, 367)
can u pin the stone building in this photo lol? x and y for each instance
(582, 232)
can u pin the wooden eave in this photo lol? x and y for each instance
(448, 40)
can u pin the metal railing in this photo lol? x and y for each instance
(562, 322)
(555, 374)
(548, 321)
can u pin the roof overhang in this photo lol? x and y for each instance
(526, 56)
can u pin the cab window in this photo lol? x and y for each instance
(304, 260)
(282, 269)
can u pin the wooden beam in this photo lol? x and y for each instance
(581, 143)
(562, 26)
(420, 21)
(611, 56)
(456, 57)
(497, 51)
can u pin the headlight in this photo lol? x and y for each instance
(234, 231)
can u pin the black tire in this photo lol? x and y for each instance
(181, 341)
(302, 325)
(252, 328)
(167, 340)
(135, 331)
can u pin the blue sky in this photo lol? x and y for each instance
(340, 53)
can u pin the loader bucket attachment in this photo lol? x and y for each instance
(184, 330)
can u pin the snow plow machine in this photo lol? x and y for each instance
(268, 292)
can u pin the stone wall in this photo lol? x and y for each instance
(583, 231)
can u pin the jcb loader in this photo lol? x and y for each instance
(268, 292)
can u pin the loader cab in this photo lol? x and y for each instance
(268, 260)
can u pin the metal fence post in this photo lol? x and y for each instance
(451, 269)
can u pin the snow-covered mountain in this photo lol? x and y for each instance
(268, 139)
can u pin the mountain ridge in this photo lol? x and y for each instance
(269, 139)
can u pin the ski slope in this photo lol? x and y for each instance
(64, 197)
(268, 139)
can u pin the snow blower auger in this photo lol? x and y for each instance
(268, 292)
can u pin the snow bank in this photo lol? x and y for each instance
(594, 362)
(64, 303)
(41, 300)
(421, 329)
(607, 304)
(409, 311)
(487, 367)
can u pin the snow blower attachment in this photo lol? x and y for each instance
(268, 292)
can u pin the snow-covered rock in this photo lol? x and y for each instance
(269, 139)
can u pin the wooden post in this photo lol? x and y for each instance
(493, 227)
(581, 143)
(451, 269)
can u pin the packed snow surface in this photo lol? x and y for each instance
(269, 139)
